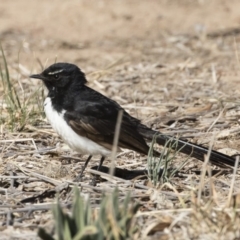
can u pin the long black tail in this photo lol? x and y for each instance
(182, 145)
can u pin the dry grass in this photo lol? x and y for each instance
(179, 82)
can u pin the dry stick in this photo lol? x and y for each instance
(203, 174)
(211, 185)
(56, 182)
(180, 210)
(175, 191)
(232, 182)
(35, 207)
(140, 186)
(43, 151)
(88, 186)
(214, 122)
(178, 219)
(214, 75)
(204, 167)
(115, 141)
(5, 141)
(159, 212)
(39, 176)
(236, 51)
(12, 180)
(20, 140)
(124, 152)
(8, 206)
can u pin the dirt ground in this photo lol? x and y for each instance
(174, 64)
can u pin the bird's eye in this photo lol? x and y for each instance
(56, 76)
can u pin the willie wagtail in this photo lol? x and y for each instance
(86, 119)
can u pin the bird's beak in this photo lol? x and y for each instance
(37, 76)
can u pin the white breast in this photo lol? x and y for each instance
(80, 144)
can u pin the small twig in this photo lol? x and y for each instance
(204, 169)
(39, 176)
(215, 121)
(232, 182)
(175, 191)
(20, 140)
(12, 180)
(107, 176)
(159, 212)
(115, 142)
(33, 207)
(13, 177)
(214, 75)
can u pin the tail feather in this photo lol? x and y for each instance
(191, 149)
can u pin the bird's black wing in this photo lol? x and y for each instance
(97, 121)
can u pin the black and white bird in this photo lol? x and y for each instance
(86, 119)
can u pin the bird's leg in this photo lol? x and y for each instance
(79, 177)
(99, 166)
(100, 163)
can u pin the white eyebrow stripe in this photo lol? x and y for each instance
(58, 71)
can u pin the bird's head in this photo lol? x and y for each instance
(61, 75)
